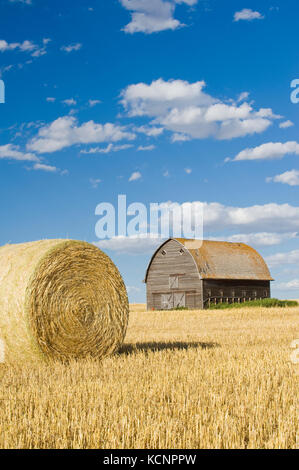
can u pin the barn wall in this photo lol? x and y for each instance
(235, 289)
(173, 263)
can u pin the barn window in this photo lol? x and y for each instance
(182, 251)
(163, 252)
(173, 282)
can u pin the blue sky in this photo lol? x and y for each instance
(179, 100)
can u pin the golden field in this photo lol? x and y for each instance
(183, 379)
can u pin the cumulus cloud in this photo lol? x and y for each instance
(25, 46)
(26, 2)
(146, 148)
(290, 285)
(243, 96)
(152, 16)
(286, 124)
(131, 289)
(149, 131)
(95, 182)
(130, 245)
(247, 15)
(135, 176)
(43, 167)
(70, 102)
(71, 47)
(269, 151)
(161, 96)
(260, 225)
(289, 177)
(12, 152)
(92, 103)
(272, 217)
(65, 132)
(176, 137)
(110, 148)
(291, 257)
(259, 239)
(186, 110)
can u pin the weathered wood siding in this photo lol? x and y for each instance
(173, 263)
(234, 289)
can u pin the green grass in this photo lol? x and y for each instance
(268, 303)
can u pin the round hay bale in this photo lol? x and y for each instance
(60, 299)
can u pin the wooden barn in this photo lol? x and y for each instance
(195, 274)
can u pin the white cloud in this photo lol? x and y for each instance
(149, 131)
(50, 99)
(272, 217)
(95, 182)
(248, 15)
(93, 103)
(135, 176)
(186, 110)
(179, 137)
(243, 96)
(39, 52)
(25, 46)
(238, 128)
(70, 102)
(47, 168)
(130, 245)
(291, 257)
(264, 225)
(258, 239)
(269, 151)
(188, 171)
(12, 152)
(110, 148)
(161, 96)
(131, 289)
(5, 69)
(289, 177)
(286, 124)
(65, 132)
(151, 16)
(26, 2)
(146, 148)
(71, 47)
(290, 285)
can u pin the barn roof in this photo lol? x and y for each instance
(224, 260)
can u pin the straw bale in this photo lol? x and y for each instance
(60, 299)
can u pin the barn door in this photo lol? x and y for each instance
(179, 300)
(173, 282)
(167, 301)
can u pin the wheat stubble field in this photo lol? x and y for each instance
(183, 379)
